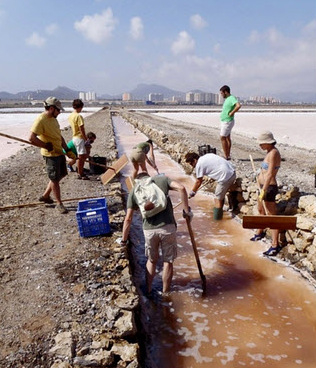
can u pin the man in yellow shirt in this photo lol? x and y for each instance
(79, 136)
(46, 134)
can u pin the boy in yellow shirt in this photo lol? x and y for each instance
(79, 136)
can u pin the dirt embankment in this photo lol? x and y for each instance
(52, 281)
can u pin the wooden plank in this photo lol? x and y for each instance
(114, 169)
(129, 183)
(269, 221)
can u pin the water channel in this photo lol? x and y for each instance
(254, 313)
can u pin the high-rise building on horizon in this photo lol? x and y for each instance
(88, 96)
(155, 97)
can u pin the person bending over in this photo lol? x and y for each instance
(216, 168)
(142, 153)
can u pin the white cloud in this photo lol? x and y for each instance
(283, 64)
(97, 28)
(310, 28)
(35, 40)
(51, 29)
(136, 28)
(184, 44)
(271, 37)
(197, 22)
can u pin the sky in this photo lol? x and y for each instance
(110, 46)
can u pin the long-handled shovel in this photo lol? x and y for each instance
(31, 144)
(270, 221)
(33, 204)
(196, 254)
(202, 186)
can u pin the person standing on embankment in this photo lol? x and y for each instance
(46, 134)
(230, 107)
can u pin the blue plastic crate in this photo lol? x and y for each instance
(92, 217)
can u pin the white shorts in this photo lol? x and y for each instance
(222, 188)
(80, 145)
(226, 128)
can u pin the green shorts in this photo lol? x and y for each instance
(164, 237)
(138, 156)
(56, 167)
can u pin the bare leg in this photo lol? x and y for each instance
(150, 274)
(53, 186)
(226, 145)
(167, 274)
(135, 171)
(81, 161)
(271, 209)
(219, 203)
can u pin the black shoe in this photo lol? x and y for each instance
(257, 237)
(272, 251)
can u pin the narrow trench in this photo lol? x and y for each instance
(255, 312)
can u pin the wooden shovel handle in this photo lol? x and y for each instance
(196, 254)
(258, 184)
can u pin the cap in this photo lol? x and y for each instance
(53, 101)
(266, 137)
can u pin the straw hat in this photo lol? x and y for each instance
(266, 137)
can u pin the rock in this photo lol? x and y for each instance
(64, 345)
(127, 352)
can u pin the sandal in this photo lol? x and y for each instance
(272, 251)
(48, 200)
(83, 177)
(257, 237)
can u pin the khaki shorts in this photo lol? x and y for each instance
(138, 156)
(165, 237)
(222, 188)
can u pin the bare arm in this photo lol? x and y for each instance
(38, 143)
(151, 154)
(64, 144)
(197, 184)
(236, 108)
(83, 132)
(127, 224)
(174, 185)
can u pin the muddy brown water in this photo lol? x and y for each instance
(254, 312)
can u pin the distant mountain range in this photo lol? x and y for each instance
(141, 92)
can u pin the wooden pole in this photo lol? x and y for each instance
(196, 254)
(33, 204)
(17, 139)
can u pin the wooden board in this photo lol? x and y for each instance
(271, 222)
(114, 169)
(129, 183)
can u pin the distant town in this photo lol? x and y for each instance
(145, 94)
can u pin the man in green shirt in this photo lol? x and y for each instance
(159, 230)
(230, 106)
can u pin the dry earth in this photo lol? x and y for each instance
(48, 273)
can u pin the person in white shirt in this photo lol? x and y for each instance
(216, 168)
